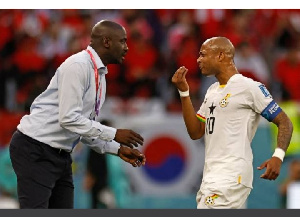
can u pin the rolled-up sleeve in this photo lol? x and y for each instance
(72, 81)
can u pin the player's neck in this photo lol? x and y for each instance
(224, 77)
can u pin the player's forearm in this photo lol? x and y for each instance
(192, 124)
(285, 130)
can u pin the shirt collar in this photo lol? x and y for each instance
(99, 62)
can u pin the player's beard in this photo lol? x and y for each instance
(210, 73)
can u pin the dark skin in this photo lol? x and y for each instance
(108, 39)
(216, 59)
(132, 156)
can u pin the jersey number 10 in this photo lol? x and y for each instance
(210, 123)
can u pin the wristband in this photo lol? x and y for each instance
(279, 153)
(184, 93)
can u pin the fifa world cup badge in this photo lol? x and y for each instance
(224, 102)
(210, 200)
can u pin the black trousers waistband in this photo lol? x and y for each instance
(57, 150)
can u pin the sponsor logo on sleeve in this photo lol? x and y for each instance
(264, 90)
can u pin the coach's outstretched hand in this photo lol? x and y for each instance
(128, 138)
(132, 156)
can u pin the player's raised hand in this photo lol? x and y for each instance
(132, 156)
(128, 138)
(179, 79)
(272, 166)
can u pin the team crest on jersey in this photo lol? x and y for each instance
(210, 200)
(224, 102)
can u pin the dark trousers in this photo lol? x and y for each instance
(44, 174)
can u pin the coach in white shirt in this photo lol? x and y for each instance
(65, 114)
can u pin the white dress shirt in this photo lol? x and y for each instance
(64, 113)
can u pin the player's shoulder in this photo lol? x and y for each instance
(239, 78)
(212, 87)
(246, 82)
(253, 87)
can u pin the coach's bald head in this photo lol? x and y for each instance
(105, 28)
(108, 39)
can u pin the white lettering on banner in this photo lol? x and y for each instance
(273, 108)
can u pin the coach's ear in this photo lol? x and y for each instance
(106, 42)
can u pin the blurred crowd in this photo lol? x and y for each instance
(33, 43)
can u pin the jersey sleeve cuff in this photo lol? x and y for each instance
(201, 118)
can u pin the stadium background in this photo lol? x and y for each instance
(34, 43)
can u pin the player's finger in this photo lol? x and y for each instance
(177, 73)
(181, 71)
(263, 176)
(184, 73)
(269, 177)
(181, 76)
(273, 175)
(263, 165)
(266, 175)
